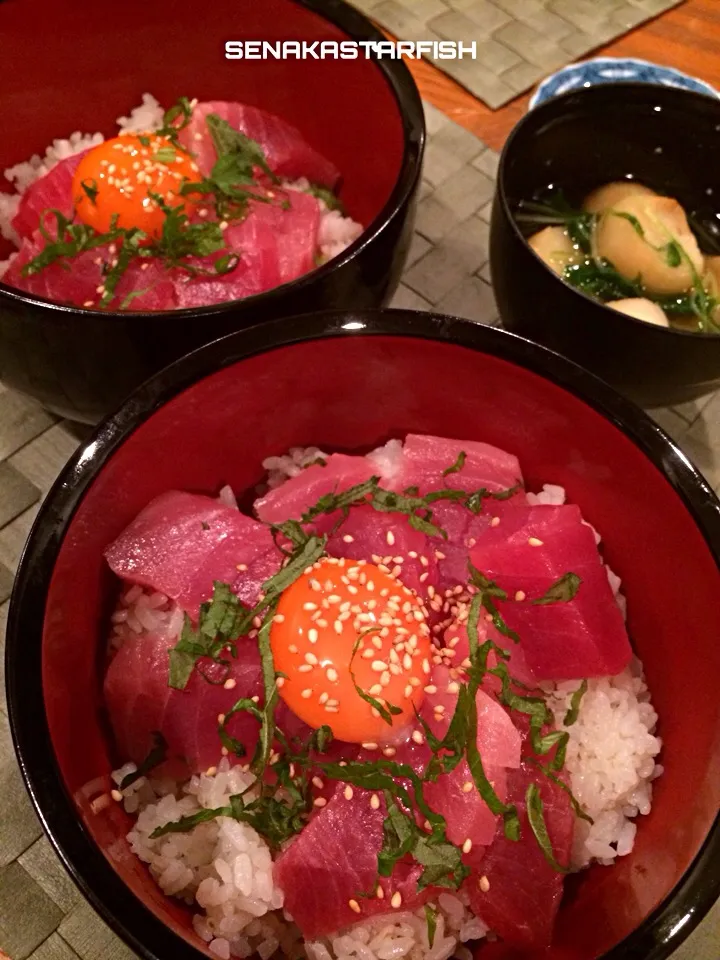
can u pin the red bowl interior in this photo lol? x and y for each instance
(368, 390)
(67, 67)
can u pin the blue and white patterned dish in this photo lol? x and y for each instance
(615, 70)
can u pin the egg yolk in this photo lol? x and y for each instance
(345, 618)
(117, 178)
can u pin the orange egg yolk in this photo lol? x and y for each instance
(118, 177)
(346, 618)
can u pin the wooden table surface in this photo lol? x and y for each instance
(687, 37)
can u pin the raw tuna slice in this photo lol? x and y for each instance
(292, 498)
(455, 638)
(515, 890)
(425, 458)
(334, 860)
(139, 702)
(529, 550)
(181, 542)
(74, 281)
(51, 192)
(369, 535)
(146, 285)
(499, 743)
(275, 245)
(287, 153)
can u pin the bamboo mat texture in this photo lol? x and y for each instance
(519, 42)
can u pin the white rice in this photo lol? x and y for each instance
(280, 469)
(224, 869)
(611, 761)
(336, 232)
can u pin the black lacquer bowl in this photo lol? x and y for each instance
(212, 417)
(668, 139)
(65, 68)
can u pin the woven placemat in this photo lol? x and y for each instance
(518, 41)
(42, 915)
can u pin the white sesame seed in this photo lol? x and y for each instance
(311, 659)
(330, 709)
(379, 893)
(389, 751)
(230, 683)
(309, 606)
(390, 537)
(520, 596)
(375, 690)
(348, 538)
(324, 697)
(116, 795)
(318, 782)
(354, 905)
(348, 792)
(378, 666)
(453, 687)
(279, 617)
(396, 900)
(331, 674)
(369, 746)
(467, 846)
(280, 682)
(467, 786)
(306, 694)
(534, 542)
(319, 802)
(221, 718)
(375, 801)
(484, 884)
(367, 654)
(495, 521)
(418, 737)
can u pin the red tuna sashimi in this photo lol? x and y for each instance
(145, 285)
(455, 638)
(334, 859)
(468, 816)
(181, 542)
(139, 702)
(73, 281)
(529, 550)
(369, 535)
(292, 498)
(464, 530)
(275, 244)
(288, 154)
(515, 890)
(51, 192)
(425, 458)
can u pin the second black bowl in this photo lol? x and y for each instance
(667, 139)
(363, 114)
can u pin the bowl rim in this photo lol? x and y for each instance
(623, 90)
(539, 95)
(412, 117)
(659, 934)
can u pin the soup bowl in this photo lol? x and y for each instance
(212, 417)
(363, 114)
(663, 137)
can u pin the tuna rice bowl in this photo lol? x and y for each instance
(383, 713)
(197, 204)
